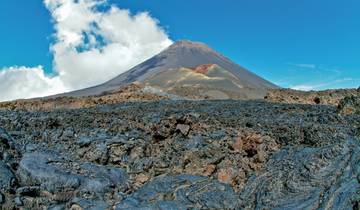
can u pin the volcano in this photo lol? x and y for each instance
(189, 69)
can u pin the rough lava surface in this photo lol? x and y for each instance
(180, 154)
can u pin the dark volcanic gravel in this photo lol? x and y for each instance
(181, 155)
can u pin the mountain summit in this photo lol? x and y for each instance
(189, 68)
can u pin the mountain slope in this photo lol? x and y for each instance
(183, 54)
(208, 81)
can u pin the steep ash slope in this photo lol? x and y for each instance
(181, 54)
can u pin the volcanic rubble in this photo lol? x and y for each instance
(180, 155)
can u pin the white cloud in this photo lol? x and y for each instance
(304, 65)
(322, 85)
(23, 82)
(316, 68)
(304, 87)
(91, 46)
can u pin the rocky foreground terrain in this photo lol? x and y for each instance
(175, 154)
(133, 92)
(326, 97)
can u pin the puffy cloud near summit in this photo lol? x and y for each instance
(94, 42)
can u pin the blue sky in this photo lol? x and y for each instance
(304, 44)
